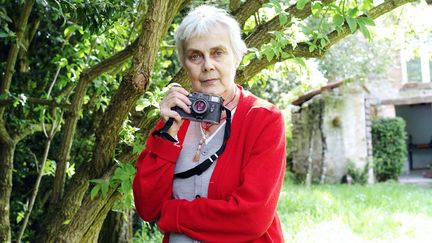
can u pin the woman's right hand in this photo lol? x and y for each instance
(177, 96)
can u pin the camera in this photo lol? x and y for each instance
(204, 107)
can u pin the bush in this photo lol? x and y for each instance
(359, 176)
(389, 148)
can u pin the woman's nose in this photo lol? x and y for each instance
(208, 65)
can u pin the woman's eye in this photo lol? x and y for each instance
(194, 57)
(219, 53)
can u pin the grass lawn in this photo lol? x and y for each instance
(385, 212)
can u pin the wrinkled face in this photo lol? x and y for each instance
(210, 64)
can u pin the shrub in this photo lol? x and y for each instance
(358, 175)
(389, 148)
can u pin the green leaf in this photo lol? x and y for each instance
(352, 23)
(312, 47)
(104, 187)
(316, 8)
(68, 30)
(364, 30)
(276, 5)
(94, 191)
(142, 104)
(368, 21)
(338, 20)
(323, 42)
(301, 4)
(20, 216)
(126, 187)
(269, 54)
(353, 12)
(283, 19)
(63, 62)
(153, 113)
(137, 148)
(68, 221)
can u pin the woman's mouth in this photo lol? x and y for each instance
(211, 80)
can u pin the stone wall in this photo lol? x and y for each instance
(334, 123)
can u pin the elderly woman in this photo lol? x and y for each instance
(184, 182)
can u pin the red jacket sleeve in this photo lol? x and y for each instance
(249, 211)
(152, 184)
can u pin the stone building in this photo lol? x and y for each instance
(332, 125)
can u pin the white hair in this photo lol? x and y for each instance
(201, 21)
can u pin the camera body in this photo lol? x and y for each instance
(204, 107)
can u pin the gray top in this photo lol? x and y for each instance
(197, 185)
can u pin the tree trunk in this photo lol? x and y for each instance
(117, 228)
(70, 210)
(7, 148)
(72, 115)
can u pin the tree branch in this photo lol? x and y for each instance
(262, 35)
(72, 116)
(246, 10)
(38, 101)
(234, 5)
(13, 52)
(302, 49)
(31, 129)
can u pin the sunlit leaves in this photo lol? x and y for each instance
(127, 134)
(338, 20)
(301, 4)
(352, 23)
(49, 168)
(316, 7)
(123, 176)
(279, 10)
(70, 169)
(362, 22)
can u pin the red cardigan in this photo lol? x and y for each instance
(243, 190)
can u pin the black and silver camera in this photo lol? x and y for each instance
(204, 107)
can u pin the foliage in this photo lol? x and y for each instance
(358, 175)
(389, 147)
(147, 233)
(356, 58)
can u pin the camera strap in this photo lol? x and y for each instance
(199, 169)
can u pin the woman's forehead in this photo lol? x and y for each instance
(212, 40)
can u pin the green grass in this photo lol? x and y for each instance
(386, 212)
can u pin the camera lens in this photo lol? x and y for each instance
(199, 106)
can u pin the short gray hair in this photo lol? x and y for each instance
(200, 21)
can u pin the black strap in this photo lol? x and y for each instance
(163, 132)
(199, 169)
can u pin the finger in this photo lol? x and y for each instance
(178, 120)
(180, 90)
(173, 114)
(181, 102)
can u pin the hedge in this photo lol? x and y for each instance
(389, 148)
